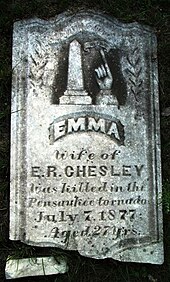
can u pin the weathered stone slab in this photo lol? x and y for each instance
(16, 268)
(85, 142)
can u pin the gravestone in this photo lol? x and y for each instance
(85, 141)
(36, 266)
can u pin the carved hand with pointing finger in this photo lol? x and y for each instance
(105, 80)
(103, 74)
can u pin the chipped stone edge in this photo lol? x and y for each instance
(68, 15)
(36, 266)
(16, 134)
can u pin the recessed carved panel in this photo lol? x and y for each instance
(85, 142)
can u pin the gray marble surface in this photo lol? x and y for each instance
(17, 268)
(85, 139)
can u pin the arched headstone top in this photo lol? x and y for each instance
(85, 140)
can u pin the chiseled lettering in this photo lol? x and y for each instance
(139, 169)
(113, 130)
(92, 170)
(133, 187)
(32, 201)
(81, 171)
(114, 172)
(82, 153)
(115, 153)
(60, 129)
(35, 172)
(126, 170)
(54, 233)
(61, 156)
(103, 170)
(76, 125)
(81, 124)
(69, 171)
(119, 202)
(75, 233)
(88, 215)
(91, 156)
(96, 125)
(51, 171)
(104, 156)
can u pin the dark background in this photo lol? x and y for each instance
(81, 269)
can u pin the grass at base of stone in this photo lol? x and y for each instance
(82, 269)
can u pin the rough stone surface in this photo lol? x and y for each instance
(16, 268)
(85, 141)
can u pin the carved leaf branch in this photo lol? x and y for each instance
(134, 72)
(39, 60)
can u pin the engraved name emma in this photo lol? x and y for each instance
(68, 125)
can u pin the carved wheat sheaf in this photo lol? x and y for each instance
(38, 63)
(134, 72)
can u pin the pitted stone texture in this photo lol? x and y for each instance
(17, 268)
(85, 140)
